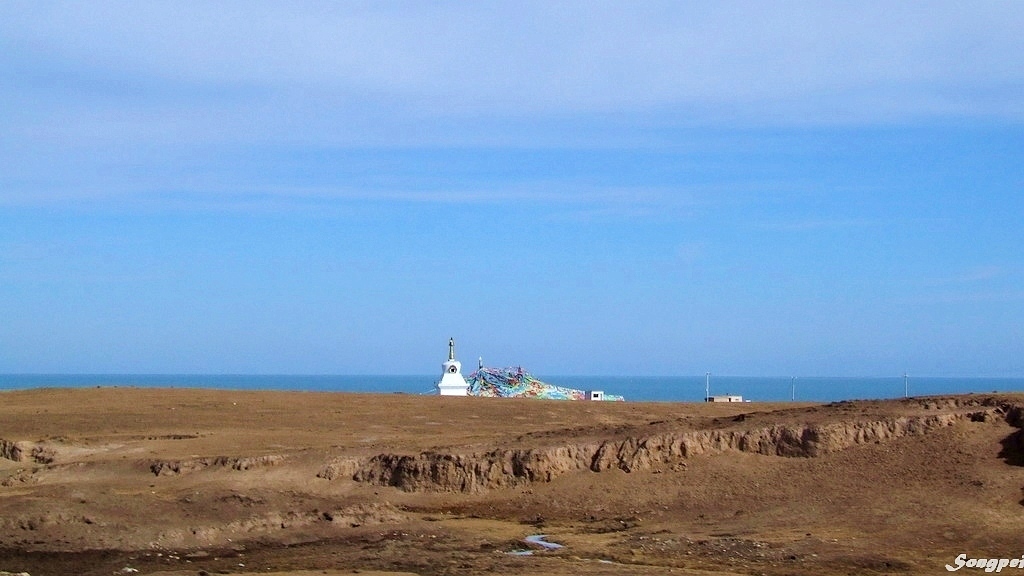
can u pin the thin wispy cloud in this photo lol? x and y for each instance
(93, 88)
(25, 252)
(971, 276)
(774, 64)
(987, 284)
(987, 297)
(737, 170)
(822, 224)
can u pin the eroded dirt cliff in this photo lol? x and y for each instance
(456, 471)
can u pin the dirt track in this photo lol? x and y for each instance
(180, 481)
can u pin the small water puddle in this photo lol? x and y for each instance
(539, 540)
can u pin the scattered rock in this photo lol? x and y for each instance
(339, 468)
(174, 467)
(23, 451)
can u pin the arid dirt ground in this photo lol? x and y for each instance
(107, 481)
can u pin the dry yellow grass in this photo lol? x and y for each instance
(179, 481)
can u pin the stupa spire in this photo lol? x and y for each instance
(452, 383)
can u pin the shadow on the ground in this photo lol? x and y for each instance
(1013, 445)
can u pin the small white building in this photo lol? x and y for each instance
(594, 395)
(452, 383)
(725, 398)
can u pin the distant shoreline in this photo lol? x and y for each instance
(635, 388)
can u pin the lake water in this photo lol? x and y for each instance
(639, 389)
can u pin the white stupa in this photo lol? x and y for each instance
(452, 383)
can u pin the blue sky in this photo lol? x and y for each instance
(747, 188)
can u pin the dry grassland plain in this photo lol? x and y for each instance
(175, 481)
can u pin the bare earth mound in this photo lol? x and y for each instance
(186, 482)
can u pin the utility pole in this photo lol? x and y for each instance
(792, 389)
(906, 385)
(707, 386)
